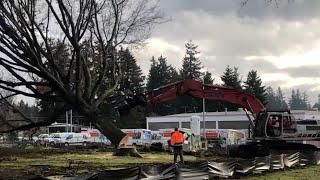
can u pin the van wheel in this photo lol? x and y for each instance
(66, 144)
(84, 144)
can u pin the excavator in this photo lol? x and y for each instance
(268, 129)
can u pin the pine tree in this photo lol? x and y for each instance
(271, 99)
(231, 78)
(305, 102)
(29, 111)
(280, 100)
(132, 81)
(62, 59)
(191, 67)
(161, 73)
(298, 101)
(132, 76)
(211, 105)
(293, 101)
(208, 78)
(317, 104)
(253, 86)
(191, 64)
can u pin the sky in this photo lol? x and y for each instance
(280, 40)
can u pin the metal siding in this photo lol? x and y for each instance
(185, 124)
(233, 124)
(162, 125)
(209, 124)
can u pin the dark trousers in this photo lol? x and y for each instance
(177, 150)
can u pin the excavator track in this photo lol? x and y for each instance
(260, 149)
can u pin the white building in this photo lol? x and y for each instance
(215, 120)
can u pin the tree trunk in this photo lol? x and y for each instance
(117, 138)
(113, 133)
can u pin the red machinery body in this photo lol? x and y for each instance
(262, 137)
(210, 92)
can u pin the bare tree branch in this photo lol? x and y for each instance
(66, 50)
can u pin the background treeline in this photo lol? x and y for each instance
(160, 73)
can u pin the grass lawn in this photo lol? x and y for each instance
(16, 163)
(49, 161)
(102, 159)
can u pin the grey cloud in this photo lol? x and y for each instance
(284, 9)
(227, 33)
(306, 71)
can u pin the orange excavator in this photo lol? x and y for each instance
(268, 129)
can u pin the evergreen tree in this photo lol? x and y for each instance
(208, 78)
(271, 99)
(275, 101)
(29, 111)
(231, 78)
(161, 73)
(191, 64)
(280, 101)
(191, 67)
(211, 105)
(132, 76)
(253, 86)
(293, 102)
(298, 101)
(317, 104)
(132, 81)
(305, 101)
(62, 59)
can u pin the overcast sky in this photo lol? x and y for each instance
(281, 41)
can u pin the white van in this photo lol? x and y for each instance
(67, 139)
(41, 139)
(74, 139)
(94, 137)
(139, 137)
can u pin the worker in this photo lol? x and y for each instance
(176, 142)
(276, 127)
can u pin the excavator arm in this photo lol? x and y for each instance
(210, 92)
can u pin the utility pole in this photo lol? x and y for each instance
(71, 119)
(67, 127)
(204, 111)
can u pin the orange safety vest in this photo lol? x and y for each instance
(176, 138)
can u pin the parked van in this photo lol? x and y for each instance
(41, 139)
(74, 139)
(67, 139)
(139, 137)
(94, 137)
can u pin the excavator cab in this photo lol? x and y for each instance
(275, 124)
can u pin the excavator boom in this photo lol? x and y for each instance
(210, 92)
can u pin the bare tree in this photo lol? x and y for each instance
(89, 31)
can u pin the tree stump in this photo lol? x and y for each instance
(127, 151)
